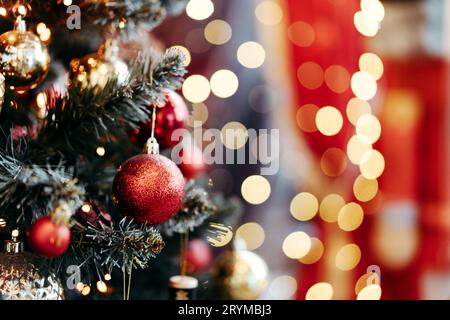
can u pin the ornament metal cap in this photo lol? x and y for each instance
(20, 24)
(13, 246)
(152, 146)
(183, 282)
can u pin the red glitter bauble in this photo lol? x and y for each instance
(148, 188)
(192, 162)
(170, 117)
(48, 238)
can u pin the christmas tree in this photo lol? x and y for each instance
(81, 100)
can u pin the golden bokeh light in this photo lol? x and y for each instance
(337, 78)
(301, 34)
(333, 162)
(365, 24)
(224, 83)
(234, 135)
(348, 257)
(297, 245)
(196, 88)
(186, 54)
(315, 253)
(304, 206)
(373, 9)
(329, 121)
(101, 286)
(365, 280)
(199, 114)
(350, 216)
(252, 234)
(372, 64)
(371, 292)
(255, 189)
(320, 291)
(283, 288)
(364, 85)
(372, 164)
(199, 9)
(218, 32)
(356, 148)
(306, 117)
(100, 151)
(365, 189)
(357, 108)
(368, 129)
(269, 13)
(330, 207)
(310, 75)
(251, 54)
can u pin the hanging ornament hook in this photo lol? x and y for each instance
(152, 146)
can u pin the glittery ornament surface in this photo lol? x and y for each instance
(148, 188)
(20, 279)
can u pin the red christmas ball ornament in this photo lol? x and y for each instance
(148, 188)
(170, 117)
(199, 255)
(48, 238)
(191, 162)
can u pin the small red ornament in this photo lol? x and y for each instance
(192, 162)
(48, 238)
(148, 188)
(199, 255)
(170, 117)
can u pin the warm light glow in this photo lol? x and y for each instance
(372, 164)
(297, 245)
(251, 55)
(373, 9)
(41, 27)
(252, 234)
(196, 88)
(86, 207)
(100, 151)
(372, 64)
(306, 117)
(329, 121)
(199, 9)
(15, 233)
(199, 114)
(366, 24)
(3, 11)
(186, 54)
(365, 189)
(356, 148)
(22, 10)
(337, 78)
(315, 253)
(2, 223)
(320, 291)
(350, 216)
(107, 277)
(41, 100)
(218, 32)
(371, 292)
(368, 129)
(330, 206)
(101, 287)
(86, 290)
(79, 286)
(364, 85)
(224, 83)
(304, 206)
(234, 135)
(310, 75)
(45, 35)
(67, 2)
(269, 13)
(283, 288)
(301, 34)
(255, 189)
(333, 162)
(356, 108)
(348, 257)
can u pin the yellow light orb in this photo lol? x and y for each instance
(297, 245)
(329, 121)
(102, 287)
(234, 135)
(371, 292)
(348, 257)
(224, 83)
(365, 189)
(199, 9)
(255, 189)
(320, 291)
(196, 88)
(186, 54)
(252, 234)
(368, 129)
(372, 64)
(330, 207)
(199, 115)
(372, 164)
(373, 9)
(218, 32)
(364, 85)
(357, 108)
(315, 253)
(350, 216)
(356, 148)
(365, 24)
(304, 206)
(269, 13)
(283, 287)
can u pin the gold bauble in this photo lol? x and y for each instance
(241, 275)
(2, 90)
(24, 59)
(95, 70)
